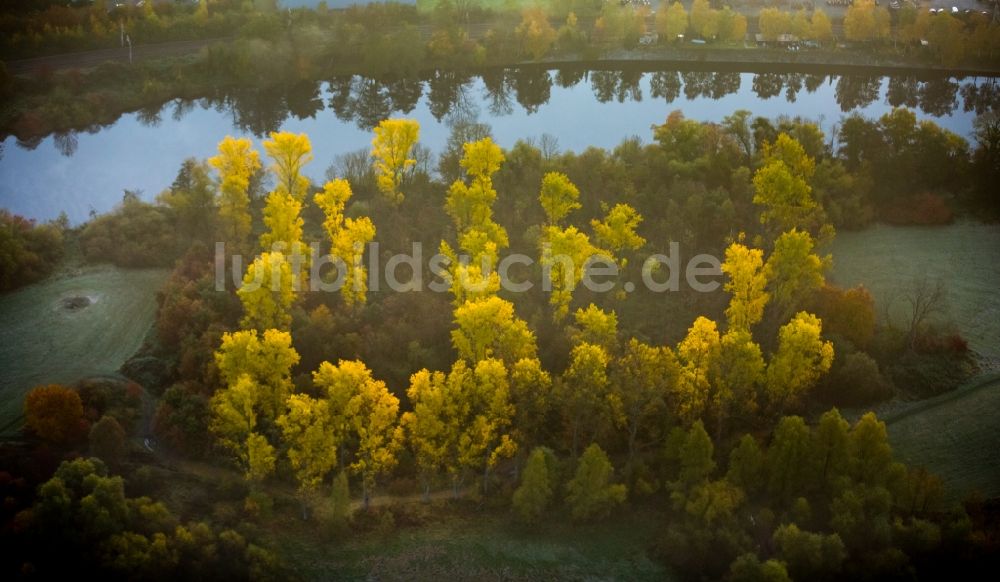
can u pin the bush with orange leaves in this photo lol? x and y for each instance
(55, 413)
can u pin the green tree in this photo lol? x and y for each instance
(831, 449)
(749, 568)
(340, 502)
(533, 496)
(591, 493)
(782, 185)
(641, 383)
(747, 466)
(696, 457)
(107, 441)
(871, 455)
(790, 460)
(809, 555)
(738, 373)
(584, 390)
(191, 200)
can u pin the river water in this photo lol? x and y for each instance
(83, 172)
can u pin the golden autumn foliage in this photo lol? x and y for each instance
(392, 148)
(236, 163)
(54, 413)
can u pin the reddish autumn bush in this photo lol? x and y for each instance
(922, 209)
(849, 313)
(55, 413)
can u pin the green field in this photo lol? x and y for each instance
(480, 547)
(966, 256)
(956, 435)
(41, 341)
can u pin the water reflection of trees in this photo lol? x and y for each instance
(364, 101)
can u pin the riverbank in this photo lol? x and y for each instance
(765, 60)
(749, 59)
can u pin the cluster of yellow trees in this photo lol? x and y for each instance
(497, 398)
(773, 22)
(673, 20)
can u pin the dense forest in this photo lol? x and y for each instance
(716, 412)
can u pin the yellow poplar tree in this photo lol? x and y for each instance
(617, 231)
(486, 437)
(471, 209)
(311, 441)
(284, 224)
(234, 417)
(348, 237)
(460, 420)
(698, 353)
(794, 271)
(596, 326)
(365, 414)
(266, 359)
(267, 293)
(392, 148)
(558, 196)
(428, 427)
(565, 254)
(535, 33)
(746, 282)
(236, 163)
(801, 359)
(289, 152)
(822, 28)
(489, 328)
